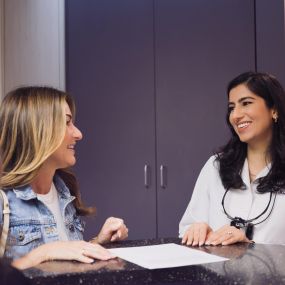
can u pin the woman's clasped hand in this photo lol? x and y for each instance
(113, 229)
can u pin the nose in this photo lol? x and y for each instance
(77, 133)
(236, 114)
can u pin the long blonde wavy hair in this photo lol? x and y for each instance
(32, 127)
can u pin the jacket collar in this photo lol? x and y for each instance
(27, 193)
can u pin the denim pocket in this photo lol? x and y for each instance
(22, 235)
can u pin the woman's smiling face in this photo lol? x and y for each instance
(249, 116)
(64, 156)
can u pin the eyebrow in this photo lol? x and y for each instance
(242, 99)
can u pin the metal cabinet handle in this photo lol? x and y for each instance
(163, 183)
(146, 176)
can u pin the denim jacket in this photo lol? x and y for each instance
(33, 224)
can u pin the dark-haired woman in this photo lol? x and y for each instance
(240, 193)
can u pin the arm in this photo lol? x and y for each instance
(63, 250)
(193, 227)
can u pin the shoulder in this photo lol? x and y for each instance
(210, 170)
(212, 164)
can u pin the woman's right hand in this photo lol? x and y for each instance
(196, 234)
(81, 251)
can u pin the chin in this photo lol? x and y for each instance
(244, 139)
(70, 163)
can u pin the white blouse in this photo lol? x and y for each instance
(206, 205)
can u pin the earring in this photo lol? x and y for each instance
(275, 118)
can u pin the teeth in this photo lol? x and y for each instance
(243, 125)
(71, 146)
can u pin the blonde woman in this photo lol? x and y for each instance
(37, 140)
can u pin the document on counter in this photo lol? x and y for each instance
(164, 255)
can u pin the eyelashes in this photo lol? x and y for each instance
(230, 109)
(243, 104)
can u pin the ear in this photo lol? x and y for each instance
(274, 115)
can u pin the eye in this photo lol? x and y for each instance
(68, 120)
(245, 103)
(230, 109)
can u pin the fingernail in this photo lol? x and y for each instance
(200, 243)
(207, 242)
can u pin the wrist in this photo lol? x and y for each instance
(26, 261)
(94, 240)
(97, 240)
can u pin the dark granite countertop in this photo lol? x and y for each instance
(248, 264)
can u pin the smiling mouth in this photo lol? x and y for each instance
(71, 147)
(243, 125)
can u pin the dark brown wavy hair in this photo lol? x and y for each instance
(231, 157)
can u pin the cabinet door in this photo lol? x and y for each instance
(200, 46)
(270, 38)
(110, 72)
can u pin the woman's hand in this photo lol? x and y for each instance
(196, 234)
(81, 251)
(113, 229)
(226, 235)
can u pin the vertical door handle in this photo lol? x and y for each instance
(146, 176)
(163, 183)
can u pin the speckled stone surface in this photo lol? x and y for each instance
(248, 264)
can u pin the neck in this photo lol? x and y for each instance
(258, 158)
(42, 182)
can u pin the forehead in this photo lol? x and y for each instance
(67, 109)
(239, 92)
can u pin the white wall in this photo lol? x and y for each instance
(1, 48)
(34, 43)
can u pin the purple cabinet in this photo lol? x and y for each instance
(149, 78)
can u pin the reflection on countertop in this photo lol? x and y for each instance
(248, 264)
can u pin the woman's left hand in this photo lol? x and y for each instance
(226, 235)
(113, 229)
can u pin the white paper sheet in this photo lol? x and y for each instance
(164, 255)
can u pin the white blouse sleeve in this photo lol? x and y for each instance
(198, 207)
